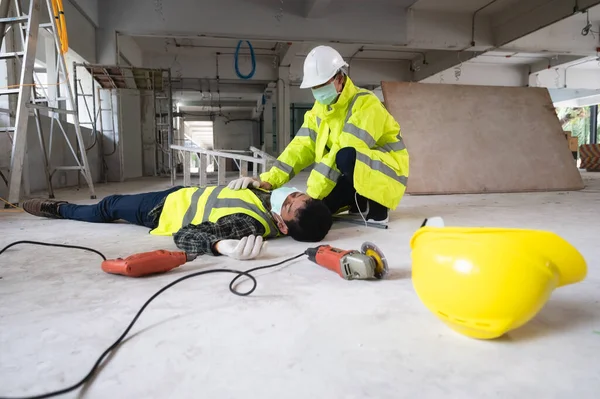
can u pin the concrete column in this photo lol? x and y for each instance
(51, 72)
(268, 126)
(106, 46)
(283, 109)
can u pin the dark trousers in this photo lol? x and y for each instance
(344, 194)
(131, 208)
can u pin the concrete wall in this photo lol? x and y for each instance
(130, 52)
(483, 75)
(126, 161)
(204, 65)
(89, 8)
(148, 129)
(60, 156)
(81, 32)
(232, 134)
(131, 133)
(563, 78)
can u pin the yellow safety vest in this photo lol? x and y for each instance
(359, 120)
(196, 205)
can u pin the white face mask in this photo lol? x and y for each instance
(279, 195)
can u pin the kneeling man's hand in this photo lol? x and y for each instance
(243, 182)
(246, 248)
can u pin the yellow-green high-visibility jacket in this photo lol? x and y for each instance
(359, 120)
(196, 205)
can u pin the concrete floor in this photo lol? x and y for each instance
(305, 333)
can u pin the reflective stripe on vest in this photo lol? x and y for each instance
(210, 203)
(238, 203)
(395, 146)
(205, 205)
(214, 202)
(381, 167)
(364, 135)
(285, 168)
(328, 172)
(360, 134)
(306, 132)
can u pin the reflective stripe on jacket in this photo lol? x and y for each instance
(196, 205)
(359, 120)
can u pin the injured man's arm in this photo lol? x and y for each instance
(238, 236)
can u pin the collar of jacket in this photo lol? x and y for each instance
(265, 197)
(341, 105)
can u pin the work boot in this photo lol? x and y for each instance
(360, 205)
(378, 213)
(43, 207)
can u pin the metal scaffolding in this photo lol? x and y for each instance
(112, 79)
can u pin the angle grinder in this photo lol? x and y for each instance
(367, 264)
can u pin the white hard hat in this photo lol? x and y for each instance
(321, 64)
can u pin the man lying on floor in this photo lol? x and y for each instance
(212, 220)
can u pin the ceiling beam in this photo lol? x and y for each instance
(559, 61)
(216, 103)
(440, 61)
(211, 85)
(381, 23)
(269, 92)
(287, 52)
(316, 8)
(528, 16)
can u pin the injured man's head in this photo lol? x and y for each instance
(300, 216)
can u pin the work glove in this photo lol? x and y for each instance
(243, 182)
(244, 249)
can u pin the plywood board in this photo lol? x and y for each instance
(481, 139)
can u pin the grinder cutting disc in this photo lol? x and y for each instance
(371, 250)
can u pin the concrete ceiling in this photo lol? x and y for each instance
(210, 45)
(487, 7)
(323, 8)
(511, 58)
(528, 35)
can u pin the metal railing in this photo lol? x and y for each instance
(259, 159)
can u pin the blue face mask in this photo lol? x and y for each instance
(326, 94)
(278, 196)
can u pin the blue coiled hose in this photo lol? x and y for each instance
(237, 70)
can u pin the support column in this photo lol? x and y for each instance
(283, 109)
(51, 72)
(268, 127)
(106, 47)
(594, 124)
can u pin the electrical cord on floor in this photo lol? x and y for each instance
(238, 273)
(45, 244)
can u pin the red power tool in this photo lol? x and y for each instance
(146, 263)
(369, 263)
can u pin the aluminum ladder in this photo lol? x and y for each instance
(28, 26)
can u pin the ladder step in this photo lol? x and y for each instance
(69, 168)
(6, 56)
(7, 129)
(45, 100)
(57, 110)
(9, 91)
(46, 25)
(14, 20)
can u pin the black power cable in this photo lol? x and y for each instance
(89, 375)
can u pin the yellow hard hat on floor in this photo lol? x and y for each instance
(484, 282)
